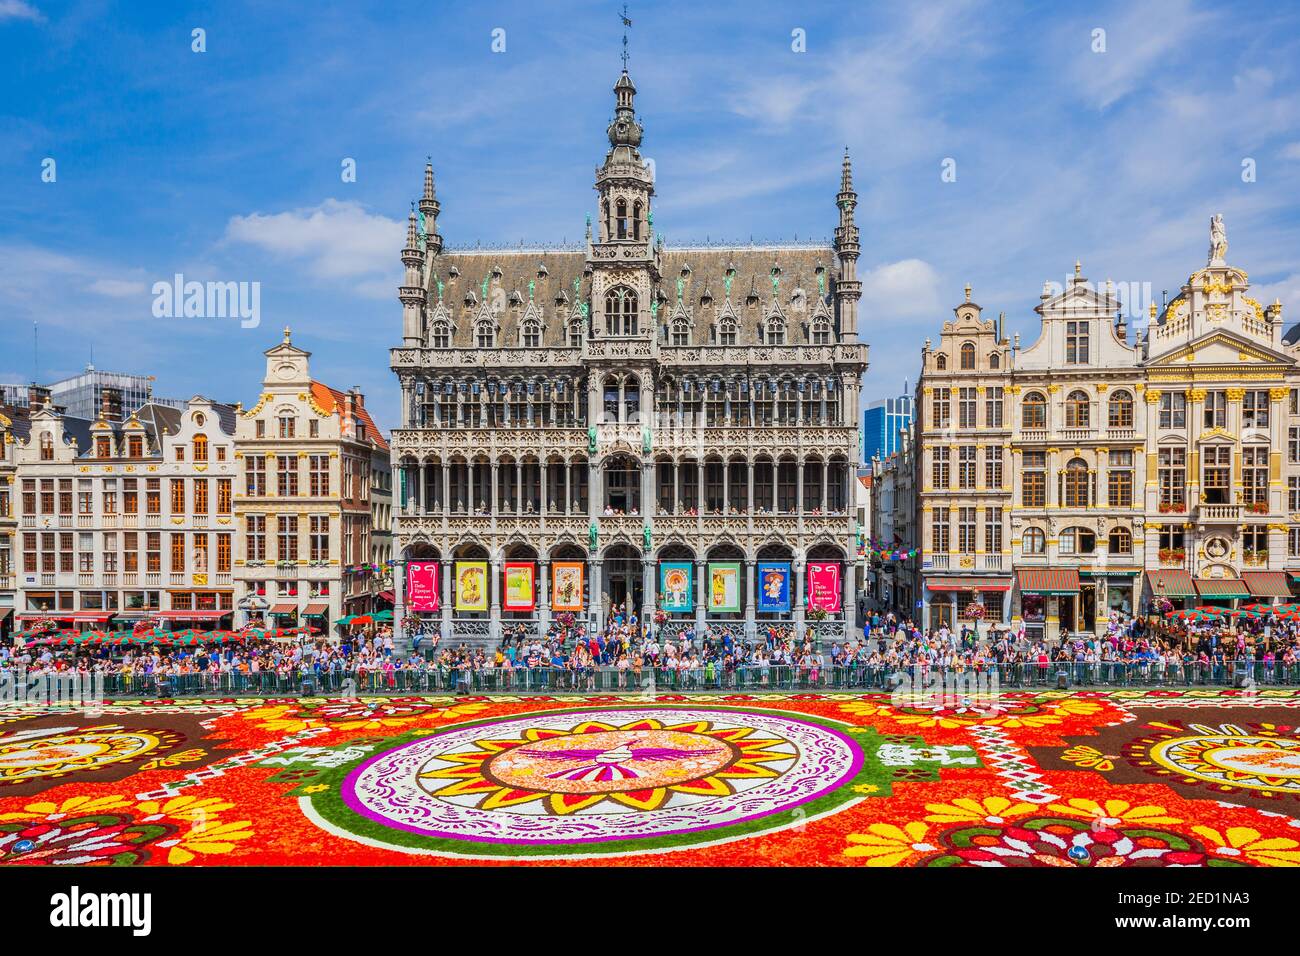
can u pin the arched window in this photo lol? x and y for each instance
(607, 219)
(531, 334)
(440, 334)
(485, 335)
(727, 331)
(775, 331)
(1033, 413)
(995, 360)
(1076, 482)
(941, 361)
(968, 356)
(1076, 410)
(1120, 541)
(1033, 541)
(1077, 541)
(576, 326)
(680, 333)
(631, 399)
(620, 218)
(1121, 410)
(200, 447)
(620, 311)
(821, 332)
(636, 219)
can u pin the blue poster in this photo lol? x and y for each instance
(774, 586)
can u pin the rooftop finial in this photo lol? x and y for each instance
(967, 291)
(1078, 268)
(626, 23)
(287, 333)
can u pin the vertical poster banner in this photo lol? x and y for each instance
(566, 585)
(675, 585)
(422, 586)
(724, 586)
(773, 586)
(519, 594)
(471, 586)
(824, 589)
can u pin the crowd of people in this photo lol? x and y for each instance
(628, 653)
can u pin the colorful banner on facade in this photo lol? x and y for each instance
(518, 594)
(422, 586)
(824, 589)
(471, 586)
(724, 587)
(773, 586)
(566, 585)
(675, 579)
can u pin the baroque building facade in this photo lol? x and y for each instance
(626, 405)
(1088, 474)
(126, 520)
(306, 502)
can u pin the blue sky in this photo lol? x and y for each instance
(225, 165)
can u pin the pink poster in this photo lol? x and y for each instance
(824, 589)
(422, 585)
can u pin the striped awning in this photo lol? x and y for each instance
(1048, 580)
(315, 610)
(1267, 583)
(1222, 588)
(968, 584)
(289, 608)
(1177, 583)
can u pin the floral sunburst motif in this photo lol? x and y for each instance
(639, 764)
(1236, 842)
(1114, 812)
(885, 844)
(969, 810)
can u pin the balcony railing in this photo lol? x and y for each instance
(1220, 512)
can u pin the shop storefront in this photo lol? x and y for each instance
(949, 599)
(1049, 601)
(1173, 585)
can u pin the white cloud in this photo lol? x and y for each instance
(118, 288)
(1291, 151)
(909, 287)
(1287, 291)
(335, 239)
(18, 10)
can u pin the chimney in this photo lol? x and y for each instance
(350, 412)
(110, 404)
(38, 396)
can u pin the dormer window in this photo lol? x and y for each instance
(821, 332)
(484, 335)
(135, 447)
(200, 447)
(968, 356)
(1076, 342)
(47, 446)
(680, 333)
(531, 334)
(727, 331)
(440, 335)
(103, 447)
(775, 331)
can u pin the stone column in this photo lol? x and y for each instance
(648, 601)
(445, 491)
(543, 595)
(677, 488)
(595, 601)
(445, 601)
(494, 589)
(800, 569)
(401, 642)
(420, 491)
(701, 595)
(751, 617)
(849, 601)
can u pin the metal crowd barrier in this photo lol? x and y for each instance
(430, 678)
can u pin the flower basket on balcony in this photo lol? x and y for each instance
(817, 614)
(1173, 507)
(1257, 508)
(1170, 555)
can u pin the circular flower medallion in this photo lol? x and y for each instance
(595, 782)
(59, 751)
(1232, 756)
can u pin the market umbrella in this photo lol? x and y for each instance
(1193, 614)
(383, 616)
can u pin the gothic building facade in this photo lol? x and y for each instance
(624, 407)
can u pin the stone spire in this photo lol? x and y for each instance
(411, 291)
(429, 209)
(848, 290)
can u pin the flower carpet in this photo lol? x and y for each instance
(1133, 778)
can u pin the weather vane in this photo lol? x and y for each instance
(626, 23)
